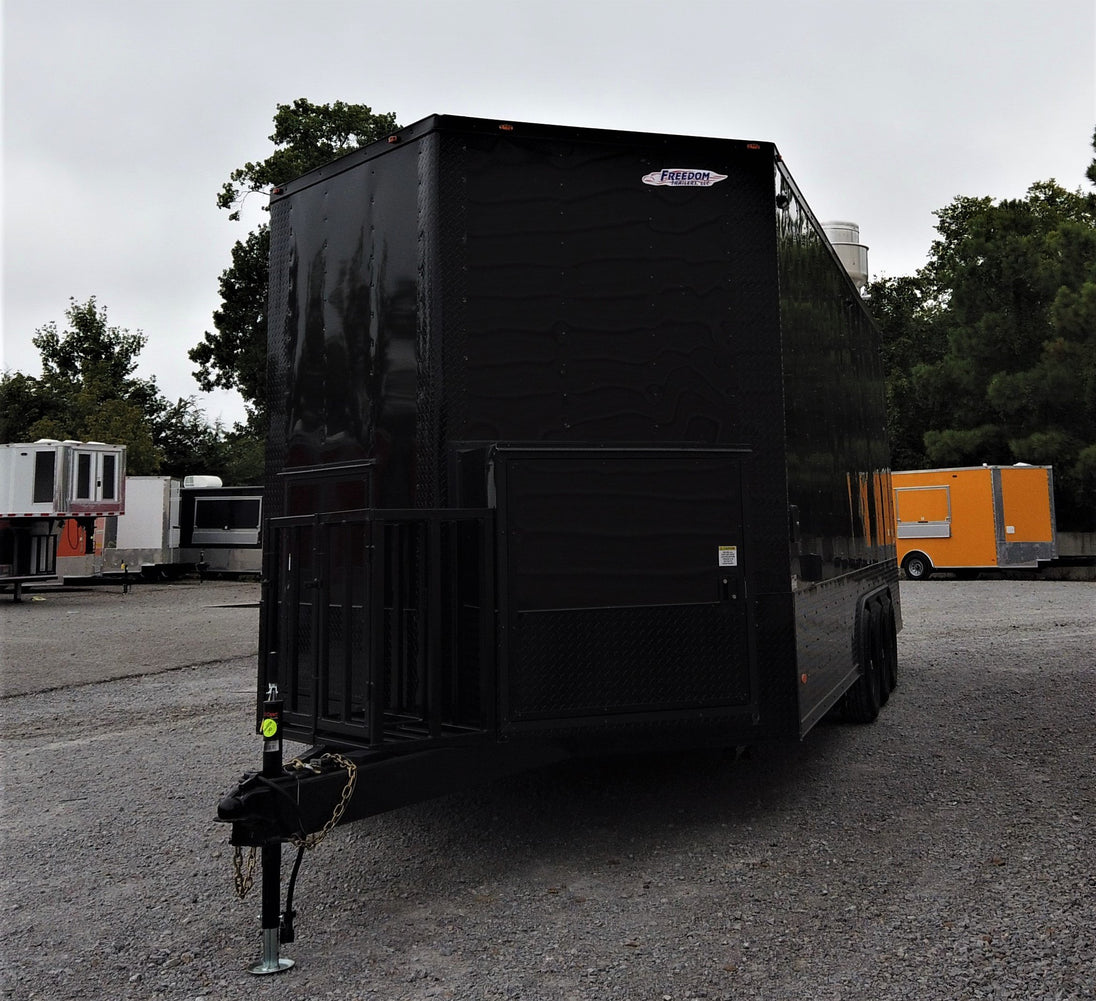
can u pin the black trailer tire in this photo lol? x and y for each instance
(879, 652)
(863, 700)
(917, 566)
(889, 630)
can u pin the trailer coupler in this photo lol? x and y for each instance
(299, 802)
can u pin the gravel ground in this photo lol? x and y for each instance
(60, 636)
(945, 852)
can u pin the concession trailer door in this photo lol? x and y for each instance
(622, 585)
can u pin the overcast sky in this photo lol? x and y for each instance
(122, 118)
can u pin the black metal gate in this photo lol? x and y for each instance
(379, 626)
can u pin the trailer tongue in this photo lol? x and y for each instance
(576, 448)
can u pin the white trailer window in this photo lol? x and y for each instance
(96, 476)
(83, 476)
(45, 473)
(110, 477)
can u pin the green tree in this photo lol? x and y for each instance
(189, 444)
(914, 337)
(234, 355)
(306, 135)
(88, 390)
(1091, 172)
(23, 403)
(992, 345)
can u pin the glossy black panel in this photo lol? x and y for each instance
(346, 357)
(477, 286)
(622, 585)
(837, 453)
(601, 308)
(588, 528)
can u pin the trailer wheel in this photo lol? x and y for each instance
(889, 634)
(864, 698)
(917, 566)
(879, 653)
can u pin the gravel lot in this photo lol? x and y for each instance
(60, 636)
(944, 853)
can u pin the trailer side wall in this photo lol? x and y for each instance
(838, 475)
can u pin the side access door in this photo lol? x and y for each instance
(621, 583)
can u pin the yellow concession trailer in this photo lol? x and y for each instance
(974, 518)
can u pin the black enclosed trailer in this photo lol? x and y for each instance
(576, 446)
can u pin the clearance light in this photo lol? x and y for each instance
(506, 128)
(753, 145)
(803, 678)
(393, 139)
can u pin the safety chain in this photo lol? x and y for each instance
(245, 879)
(245, 875)
(312, 840)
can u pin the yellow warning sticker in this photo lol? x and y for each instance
(728, 556)
(270, 727)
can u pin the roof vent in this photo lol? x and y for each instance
(845, 237)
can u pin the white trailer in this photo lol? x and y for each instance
(173, 527)
(44, 483)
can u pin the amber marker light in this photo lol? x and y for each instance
(753, 145)
(506, 128)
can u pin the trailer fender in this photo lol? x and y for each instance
(869, 692)
(889, 629)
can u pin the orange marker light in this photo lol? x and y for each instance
(506, 128)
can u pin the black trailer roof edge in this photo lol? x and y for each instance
(856, 298)
(613, 448)
(489, 126)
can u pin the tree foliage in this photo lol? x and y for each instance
(89, 391)
(306, 135)
(234, 355)
(915, 338)
(992, 345)
(22, 405)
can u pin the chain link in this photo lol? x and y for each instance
(312, 840)
(245, 878)
(245, 874)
